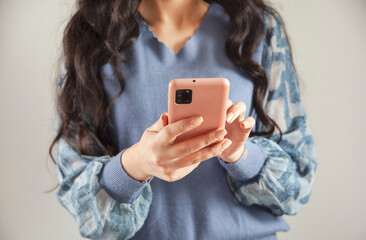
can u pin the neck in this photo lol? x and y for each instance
(177, 13)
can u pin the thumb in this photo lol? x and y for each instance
(160, 123)
(247, 126)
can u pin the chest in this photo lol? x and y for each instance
(149, 67)
(173, 39)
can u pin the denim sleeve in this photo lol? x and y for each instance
(283, 184)
(99, 215)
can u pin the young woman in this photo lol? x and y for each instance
(121, 176)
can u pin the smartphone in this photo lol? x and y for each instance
(188, 97)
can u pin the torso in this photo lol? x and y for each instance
(200, 205)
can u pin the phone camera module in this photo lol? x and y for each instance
(183, 96)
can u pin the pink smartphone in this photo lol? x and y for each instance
(207, 97)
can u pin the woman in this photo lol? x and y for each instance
(119, 58)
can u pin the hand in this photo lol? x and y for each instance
(156, 154)
(238, 130)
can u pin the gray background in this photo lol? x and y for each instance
(328, 40)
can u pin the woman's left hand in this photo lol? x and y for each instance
(238, 130)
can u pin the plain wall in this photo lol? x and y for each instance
(328, 39)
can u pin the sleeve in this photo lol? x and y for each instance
(108, 211)
(277, 176)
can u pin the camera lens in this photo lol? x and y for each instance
(183, 96)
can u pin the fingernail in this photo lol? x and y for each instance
(230, 116)
(196, 121)
(246, 124)
(220, 134)
(226, 144)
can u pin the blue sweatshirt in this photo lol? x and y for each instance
(217, 200)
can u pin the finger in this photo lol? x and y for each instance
(247, 126)
(234, 111)
(165, 119)
(193, 145)
(186, 170)
(176, 174)
(159, 124)
(201, 155)
(229, 103)
(241, 117)
(171, 131)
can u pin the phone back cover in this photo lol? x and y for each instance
(209, 99)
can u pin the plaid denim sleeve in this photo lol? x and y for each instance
(98, 215)
(284, 183)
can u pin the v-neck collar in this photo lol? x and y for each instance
(145, 26)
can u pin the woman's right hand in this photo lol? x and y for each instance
(156, 154)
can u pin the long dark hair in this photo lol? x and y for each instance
(101, 29)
